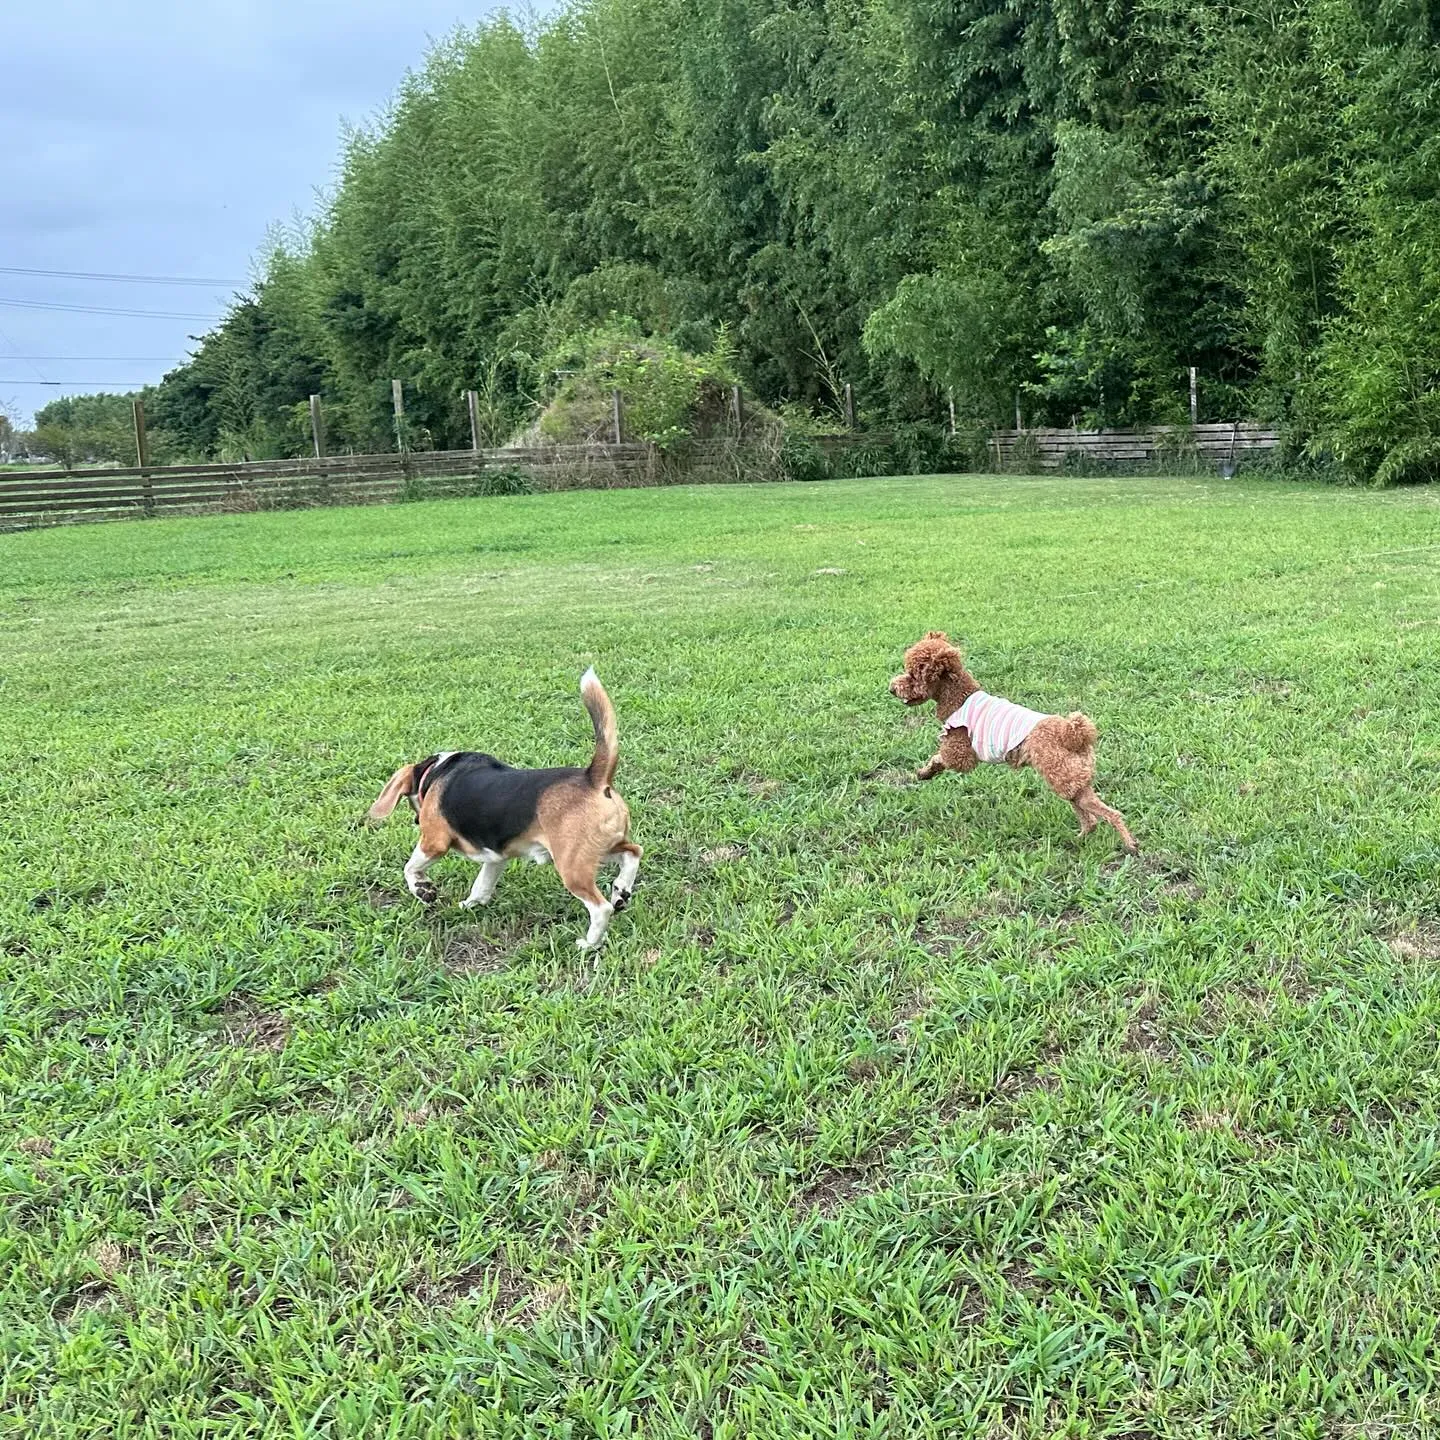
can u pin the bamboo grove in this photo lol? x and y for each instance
(1059, 205)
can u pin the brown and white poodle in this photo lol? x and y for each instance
(976, 727)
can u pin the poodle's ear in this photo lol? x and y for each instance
(932, 659)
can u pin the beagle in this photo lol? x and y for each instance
(492, 814)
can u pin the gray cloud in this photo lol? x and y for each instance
(165, 137)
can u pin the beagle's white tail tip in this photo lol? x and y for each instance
(589, 679)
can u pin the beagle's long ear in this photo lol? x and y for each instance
(402, 782)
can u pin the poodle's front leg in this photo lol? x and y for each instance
(955, 753)
(934, 766)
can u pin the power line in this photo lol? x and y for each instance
(13, 347)
(103, 310)
(116, 279)
(76, 384)
(106, 359)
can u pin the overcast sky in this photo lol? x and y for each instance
(163, 138)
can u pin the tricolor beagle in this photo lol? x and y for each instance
(493, 814)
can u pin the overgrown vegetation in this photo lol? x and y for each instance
(1044, 200)
(888, 1109)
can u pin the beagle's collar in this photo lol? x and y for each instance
(425, 775)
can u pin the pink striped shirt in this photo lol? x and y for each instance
(996, 726)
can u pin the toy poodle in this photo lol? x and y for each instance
(977, 727)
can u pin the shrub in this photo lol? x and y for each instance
(1414, 461)
(505, 480)
(860, 461)
(922, 449)
(802, 458)
(663, 389)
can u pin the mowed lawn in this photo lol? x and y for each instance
(887, 1110)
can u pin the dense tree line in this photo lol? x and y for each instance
(1060, 203)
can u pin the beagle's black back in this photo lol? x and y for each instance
(489, 803)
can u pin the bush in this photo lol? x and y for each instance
(505, 480)
(922, 449)
(663, 389)
(802, 459)
(857, 462)
(1412, 462)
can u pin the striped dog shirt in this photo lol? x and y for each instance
(996, 726)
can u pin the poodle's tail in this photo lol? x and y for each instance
(607, 735)
(1078, 733)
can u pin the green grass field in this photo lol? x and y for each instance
(887, 1110)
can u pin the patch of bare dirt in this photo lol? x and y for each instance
(244, 1023)
(96, 1292)
(861, 1068)
(893, 776)
(946, 937)
(835, 1187)
(472, 952)
(379, 898)
(36, 1145)
(719, 853)
(906, 1013)
(1417, 943)
(1146, 1035)
(512, 1297)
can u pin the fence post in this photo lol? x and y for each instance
(142, 454)
(397, 400)
(737, 408)
(472, 404)
(317, 427)
(849, 406)
(618, 416)
(1019, 424)
(952, 412)
(1194, 396)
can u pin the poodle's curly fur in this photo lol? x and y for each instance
(1060, 747)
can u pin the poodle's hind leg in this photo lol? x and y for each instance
(1091, 805)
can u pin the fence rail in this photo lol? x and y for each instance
(41, 497)
(47, 497)
(1215, 443)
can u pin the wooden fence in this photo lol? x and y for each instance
(48, 497)
(1213, 445)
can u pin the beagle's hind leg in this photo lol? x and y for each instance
(628, 854)
(581, 884)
